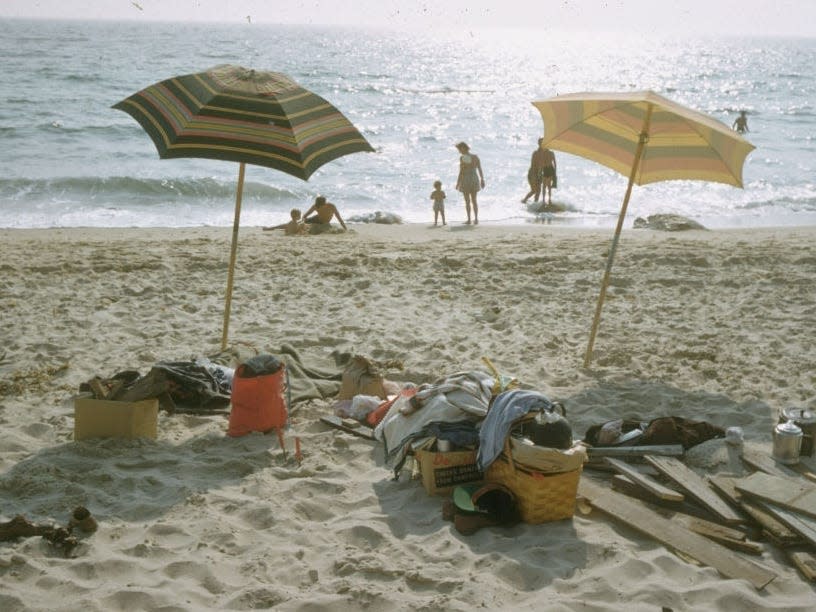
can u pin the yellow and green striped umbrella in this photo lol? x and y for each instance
(236, 114)
(247, 116)
(646, 137)
(679, 143)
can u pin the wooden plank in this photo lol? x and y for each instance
(805, 526)
(701, 525)
(674, 535)
(778, 532)
(765, 463)
(730, 538)
(667, 450)
(627, 487)
(601, 465)
(349, 426)
(806, 467)
(696, 487)
(805, 562)
(647, 482)
(792, 493)
(691, 516)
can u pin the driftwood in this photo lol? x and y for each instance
(20, 527)
(349, 426)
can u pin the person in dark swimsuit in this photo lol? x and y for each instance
(470, 180)
(741, 123)
(534, 174)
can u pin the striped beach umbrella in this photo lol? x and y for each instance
(247, 116)
(646, 137)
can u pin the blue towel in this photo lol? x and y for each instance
(505, 410)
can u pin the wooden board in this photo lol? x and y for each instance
(805, 562)
(674, 535)
(668, 450)
(805, 467)
(349, 426)
(791, 493)
(765, 463)
(805, 526)
(777, 531)
(696, 487)
(601, 465)
(647, 482)
(730, 538)
(627, 487)
(689, 515)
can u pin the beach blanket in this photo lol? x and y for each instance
(309, 377)
(412, 421)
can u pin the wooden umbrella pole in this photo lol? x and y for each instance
(644, 137)
(233, 252)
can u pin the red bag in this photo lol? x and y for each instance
(258, 402)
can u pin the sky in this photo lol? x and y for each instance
(737, 17)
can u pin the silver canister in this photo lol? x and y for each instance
(806, 420)
(787, 441)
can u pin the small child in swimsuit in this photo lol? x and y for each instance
(438, 197)
(294, 227)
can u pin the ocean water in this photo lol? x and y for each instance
(68, 159)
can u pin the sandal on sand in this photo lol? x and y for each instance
(470, 523)
(477, 506)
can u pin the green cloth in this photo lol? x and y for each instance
(312, 377)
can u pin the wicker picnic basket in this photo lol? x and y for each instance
(541, 496)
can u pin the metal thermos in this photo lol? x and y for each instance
(806, 420)
(787, 441)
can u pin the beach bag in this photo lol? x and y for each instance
(361, 377)
(258, 401)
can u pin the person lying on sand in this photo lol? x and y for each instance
(324, 212)
(294, 227)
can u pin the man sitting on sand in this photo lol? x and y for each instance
(324, 212)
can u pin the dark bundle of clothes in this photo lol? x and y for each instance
(659, 431)
(198, 387)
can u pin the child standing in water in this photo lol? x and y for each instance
(438, 197)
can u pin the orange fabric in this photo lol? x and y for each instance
(378, 414)
(258, 403)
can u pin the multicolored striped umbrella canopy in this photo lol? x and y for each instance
(681, 144)
(246, 116)
(237, 114)
(646, 137)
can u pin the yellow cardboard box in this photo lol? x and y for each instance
(441, 472)
(95, 418)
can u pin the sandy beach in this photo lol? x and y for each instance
(707, 325)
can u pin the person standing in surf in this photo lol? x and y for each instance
(470, 180)
(534, 174)
(741, 123)
(547, 174)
